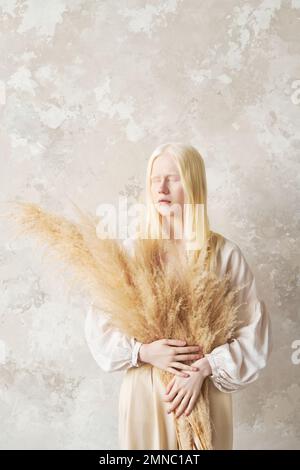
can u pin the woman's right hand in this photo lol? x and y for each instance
(166, 354)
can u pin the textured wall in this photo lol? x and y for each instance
(87, 90)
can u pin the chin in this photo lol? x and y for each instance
(163, 210)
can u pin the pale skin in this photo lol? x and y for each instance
(169, 354)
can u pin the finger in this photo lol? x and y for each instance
(191, 405)
(176, 401)
(170, 397)
(187, 357)
(176, 390)
(170, 385)
(175, 342)
(181, 366)
(176, 372)
(188, 349)
(183, 405)
(172, 393)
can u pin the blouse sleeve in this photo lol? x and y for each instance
(238, 363)
(110, 347)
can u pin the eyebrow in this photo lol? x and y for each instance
(170, 174)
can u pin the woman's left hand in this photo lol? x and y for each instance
(183, 392)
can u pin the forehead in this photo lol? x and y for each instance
(164, 165)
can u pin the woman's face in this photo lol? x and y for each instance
(166, 185)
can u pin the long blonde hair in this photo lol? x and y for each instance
(192, 172)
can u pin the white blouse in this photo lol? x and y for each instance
(234, 365)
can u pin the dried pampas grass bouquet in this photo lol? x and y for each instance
(143, 295)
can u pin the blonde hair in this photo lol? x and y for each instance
(191, 168)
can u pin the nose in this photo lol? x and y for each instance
(163, 187)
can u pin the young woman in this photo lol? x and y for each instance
(147, 409)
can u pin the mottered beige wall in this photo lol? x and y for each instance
(87, 90)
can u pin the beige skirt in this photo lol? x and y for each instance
(144, 423)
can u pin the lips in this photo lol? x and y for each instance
(166, 201)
